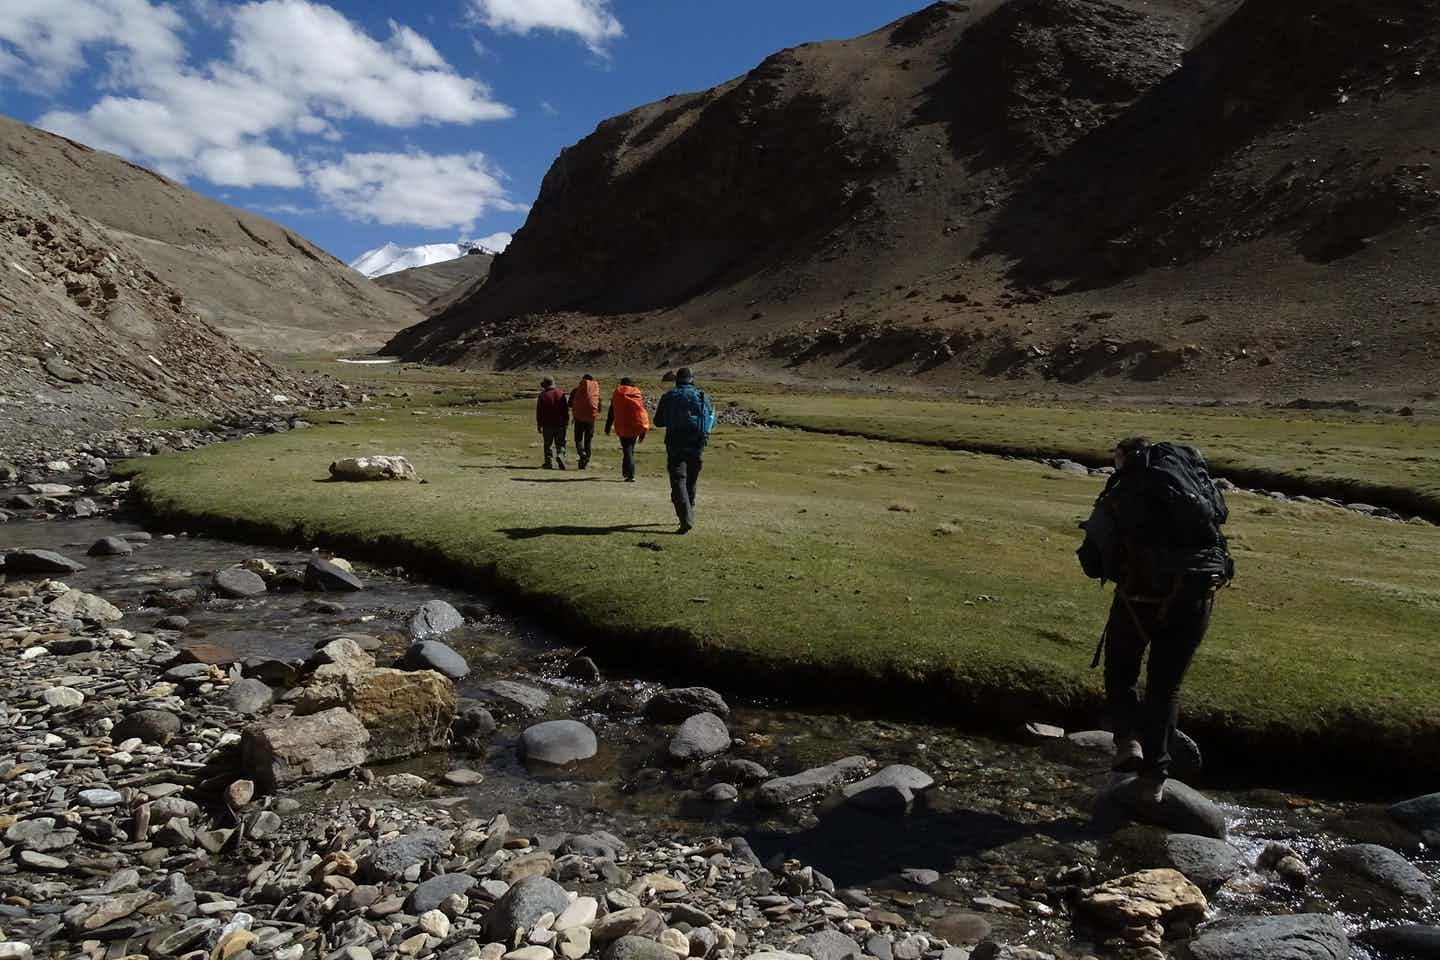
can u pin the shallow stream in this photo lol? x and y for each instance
(1004, 817)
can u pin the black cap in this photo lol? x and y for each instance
(683, 375)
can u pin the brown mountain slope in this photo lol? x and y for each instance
(437, 286)
(1233, 196)
(246, 275)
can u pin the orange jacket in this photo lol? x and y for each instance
(628, 413)
(585, 401)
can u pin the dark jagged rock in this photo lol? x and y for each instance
(1306, 936)
(325, 576)
(40, 561)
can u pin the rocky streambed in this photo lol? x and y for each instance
(207, 750)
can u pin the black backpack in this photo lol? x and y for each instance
(1165, 513)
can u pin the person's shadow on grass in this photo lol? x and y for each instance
(573, 530)
(556, 479)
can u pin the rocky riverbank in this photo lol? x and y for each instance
(163, 794)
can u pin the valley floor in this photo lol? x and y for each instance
(889, 574)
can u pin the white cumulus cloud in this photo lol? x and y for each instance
(43, 42)
(294, 68)
(590, 20)
(417, 189)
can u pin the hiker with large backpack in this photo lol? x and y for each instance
(1154, 532)
(585, 410)
(688, 417)
(630, 421)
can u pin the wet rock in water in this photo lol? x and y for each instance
(389, 859)
(1183, 809)
(150, 726)
(406, 713)
(682, 703)
(962, 926)
(78, 605)
(512, 698)
(890, 790)
(435, 891)
(237, 583)
(462, 778)
(1306, 936)
(214, 654)
(1205, 861)
(1371, 878)
(40, 561)
(248, 697)
(721, 793)
(1141, 905)
(173, 622)
(434, 655)
(813, 782)
(372, 468)
(1420, 814)
(827, 945)
(637, 948)
(557, 742)
(111, 547)
(735, 770)
(583, 669)
(700, 736)
(435, 618)
(1412, 941)
(524, 903)
(330, 577)
(277, 753)
(473, 727)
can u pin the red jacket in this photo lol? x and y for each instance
(552, 409)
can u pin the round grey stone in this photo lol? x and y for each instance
(435, 618)
(557, 742)
(681, 703)
(700, 736)
(434, 655)
(111, 547)
(247, 696)
(525, 902)
(237, 583)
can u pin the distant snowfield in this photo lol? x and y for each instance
(369, 361)
(392, 257)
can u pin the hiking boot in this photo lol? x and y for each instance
(549, 466)
(1152, 789)
(1128, 755)
(685, 528)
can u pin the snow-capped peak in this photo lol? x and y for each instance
(392, 257)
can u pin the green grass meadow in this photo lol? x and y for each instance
(820, 561)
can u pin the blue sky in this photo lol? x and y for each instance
(358, 122)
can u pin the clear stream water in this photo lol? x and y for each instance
(1003, 816)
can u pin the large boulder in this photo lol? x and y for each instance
(77, 605)
(406, 712)
(1306, 936)
(435, 618)
(40, 561)
(1420, 814)
(557, 742)
(148, 726)
(890, 790)
(701, 736)
(237, 583)
(1206, 862)
(434, 655)
(1370, 878)
(111, 547)
(681, 703)
(376, 467)
(1412, 941)
(525, 902)
(328, 576)
(277, 753)
(811, 783)
(1182, 809)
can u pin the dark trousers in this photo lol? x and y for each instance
(584, 434)
(1173, 641)
(554, 445)
(627, 457)
(684, 470)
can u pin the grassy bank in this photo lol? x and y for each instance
(868, 573)
(1387, 460)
